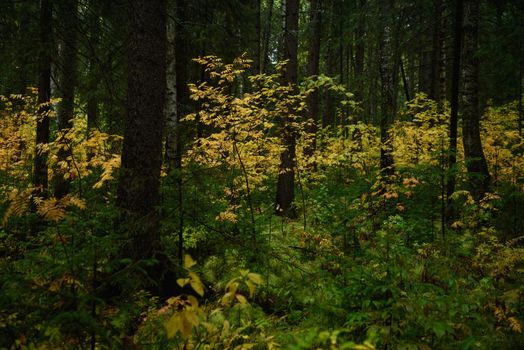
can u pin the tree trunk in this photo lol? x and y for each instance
(92, 100)
(181, 68)
(437, 51)
(455, 84)
(139, 183)
(329, 117)
(286, 176)
(67, 81)
(360, 52)
(441, 73)
(387, 78)
(267, 37)
(171, 98)
(40, 179)
(313, 68)
(257, 39)
(474, 156)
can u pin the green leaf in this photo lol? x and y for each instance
(440, 329)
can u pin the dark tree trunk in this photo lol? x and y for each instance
(182, 66)
(328, 117)
(474, 156)
(171, 100)
(286, 176)
(436, 59)
(267, 37)
(67, 81)
(139, 183)
(92, 100)
(387, 78)
(312, 70)
(442, 34)
(425, 69)
(40, 179)
(453, 122)
(360, 51)
(258, 38)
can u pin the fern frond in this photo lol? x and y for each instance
(19, 204)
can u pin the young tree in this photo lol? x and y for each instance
(139, 183)
(286, 176)
(479, 177)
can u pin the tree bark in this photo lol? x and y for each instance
(360, 51)
(267, 37)
(328, 115)
(313, 68)
(258, 38)
(479, 177)
(437, 52)
(171, 98)
(40, 179)
(92, 100)
(286, 176)
(68, 15)
(453, 122)
(181, 72)
(139, 182)
(388, 103)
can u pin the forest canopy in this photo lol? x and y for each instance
(260, 174)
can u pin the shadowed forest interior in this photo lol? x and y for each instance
(261, 174)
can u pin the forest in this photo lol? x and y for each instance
(261, 174)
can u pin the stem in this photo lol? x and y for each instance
(442, 191)
(249, 202)
(302, 195)
(180, 220)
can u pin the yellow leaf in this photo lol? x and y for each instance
(188, 261)
(198, 287)
(255, 278)
(185, 327)
(182, 281)
(251, 286)
(173, 325)
(193, 301)
(241, 299)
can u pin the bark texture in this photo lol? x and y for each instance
(68, 12)
(313, 69)
(40, 178)
(94, 71)
(171, 98)
(360, 52)
(138, 187)
(286, 176)
(478, 173)
(387, 79)
(453, 122)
